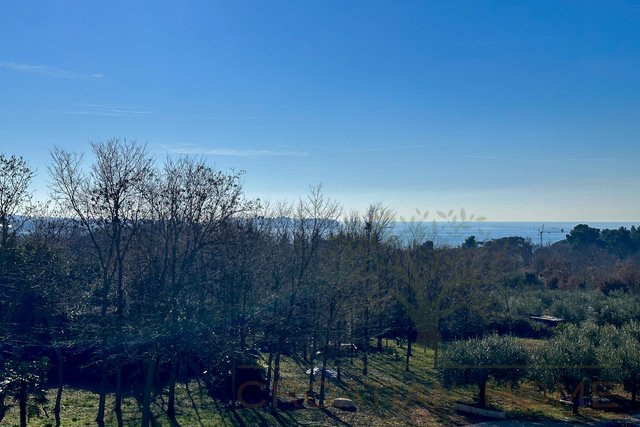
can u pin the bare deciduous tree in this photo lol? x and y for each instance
(188, 205)
(105, 201)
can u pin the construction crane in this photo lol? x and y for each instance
(549, 230)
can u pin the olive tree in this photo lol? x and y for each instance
(476, 361)
(618, 357)
(569, 361)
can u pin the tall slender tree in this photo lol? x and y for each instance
(189, 205)
(105, 201)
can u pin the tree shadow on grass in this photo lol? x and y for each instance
(334, 417)
(285, 419)
(193, 403)
(221, 411)
(260, 415)
(250, 417)
(152, 418)
(389, 399)
(237, 417)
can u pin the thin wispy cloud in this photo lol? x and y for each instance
(44, 70)
(106, 110)
(380, 149)
(232, 152)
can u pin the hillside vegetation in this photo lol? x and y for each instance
(137, 279)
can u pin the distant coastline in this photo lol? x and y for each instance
(447, 234)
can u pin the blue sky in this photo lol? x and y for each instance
(514, 110)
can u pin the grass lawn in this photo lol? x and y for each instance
(388, 396)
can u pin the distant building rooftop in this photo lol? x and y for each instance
(551, 320)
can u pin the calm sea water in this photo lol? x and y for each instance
(447, 234)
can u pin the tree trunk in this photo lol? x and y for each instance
(146, 395)
(483, 394)
(171, 401)
(3, 408)
(379, 343)
(323, 376)
(118, 405)
(365, 350)
(311, 374)
(408, 358)
(269, 365)
(22, 397)
(577, 395)
(435, 354)
(103, 315)
(436, 344)
(119, 322)
(233, 379)
(351, 341)
(56, 409)
(276, 381)
(103, 389)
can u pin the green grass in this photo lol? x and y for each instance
(388, 396)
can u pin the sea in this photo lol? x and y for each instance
(454, 234)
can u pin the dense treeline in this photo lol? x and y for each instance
(135, 276)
